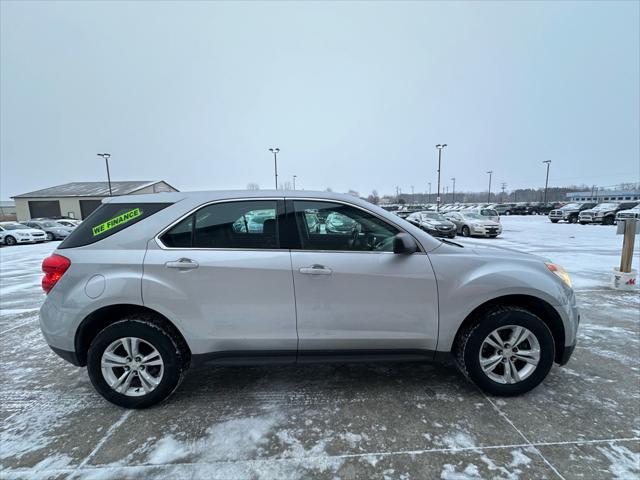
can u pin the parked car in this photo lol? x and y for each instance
(53, 230)
(630, 213)
(149, 285)
(474, 224)
(12, 233)
(65, 222)
(545, 208)
(604, 213)
(488, 213)
(504, 208)
(569, 213)
(433, 223)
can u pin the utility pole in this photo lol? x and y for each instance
(504, 186)
(490, 172)
(275, 151)
(106, 157)
(454, 190)
(546, 183)
(294, 182)
(440, 147)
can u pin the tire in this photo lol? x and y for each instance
(573, 219)
(583, 223)
(608, 220)
(554, 221)
(49, 236)
(508, 212)
(471, 340)
(147, 329)
(465, 231)
(452, 236)
(9, 240)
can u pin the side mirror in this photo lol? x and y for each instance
(405, 244)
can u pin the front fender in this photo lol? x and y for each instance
(467, 280)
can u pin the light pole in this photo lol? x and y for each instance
(294, 181)
(275, 151)
(504, 185)
(453, 200)
(106, 157)
(490, 172)
(546, 182)
(440, 147)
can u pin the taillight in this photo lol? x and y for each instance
(53, 267)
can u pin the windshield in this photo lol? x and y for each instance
(49, 224)
(474, 216)
(606, 206)
(571, 206)
(14, 226)
(433, 216)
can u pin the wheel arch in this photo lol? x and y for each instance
(101, 318)
(535, 305)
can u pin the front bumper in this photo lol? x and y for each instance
(485, 231)
(566, 354)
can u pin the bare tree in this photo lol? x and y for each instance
(253, 186)
(374, 197)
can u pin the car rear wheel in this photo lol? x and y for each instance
(573, 219)
(465, 231)
(9, 240)
(608, 221)
(135, 363)
(509, 351)
(49, 236)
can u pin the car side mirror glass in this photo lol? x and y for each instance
(404, 243)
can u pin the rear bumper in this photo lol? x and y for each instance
(70, 357)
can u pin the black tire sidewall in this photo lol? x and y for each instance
(12, 242)
(155, 336)
(466, 231)
(496, 320)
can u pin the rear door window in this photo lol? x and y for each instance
(240, 224)
(109, 219)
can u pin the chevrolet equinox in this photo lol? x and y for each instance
(148, 285)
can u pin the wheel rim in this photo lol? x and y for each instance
(132, 366)
(49, 236)
(11, 241)
(465, 231)
(509, 354)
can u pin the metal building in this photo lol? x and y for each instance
(78, 199)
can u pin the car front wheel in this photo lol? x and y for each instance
(509, 351)
(9, 240)
(135, 363)
(466, 232)
(49, 236)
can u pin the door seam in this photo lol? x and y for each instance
(295, 305)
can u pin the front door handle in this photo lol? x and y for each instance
(182, 264)
(316, 270)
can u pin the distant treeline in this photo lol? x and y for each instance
(554, 194)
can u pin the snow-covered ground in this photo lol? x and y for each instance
(395, 421)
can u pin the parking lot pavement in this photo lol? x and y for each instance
(336, 421)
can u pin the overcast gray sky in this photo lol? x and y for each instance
(355, 94)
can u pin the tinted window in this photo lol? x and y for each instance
(333, 226)
(109, 219)
(246, 224)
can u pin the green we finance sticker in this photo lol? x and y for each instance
(115, 221)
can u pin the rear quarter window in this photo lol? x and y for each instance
(109, 219)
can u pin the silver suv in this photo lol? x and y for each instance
(148, 285)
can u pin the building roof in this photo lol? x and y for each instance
(88, 189)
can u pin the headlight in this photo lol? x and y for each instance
(559, 272)
(22, 234)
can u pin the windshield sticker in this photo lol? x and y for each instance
(115, 221)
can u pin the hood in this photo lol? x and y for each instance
(485, 223)
(495, 252)
(436, 223)
(24, 230)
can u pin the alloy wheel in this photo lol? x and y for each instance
(132, 366)
(509, 354)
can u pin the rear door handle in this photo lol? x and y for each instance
(316, 270)
(182, 264)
